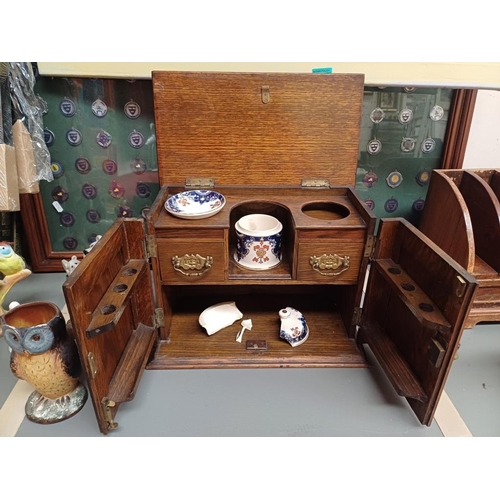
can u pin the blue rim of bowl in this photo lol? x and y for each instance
(200, 196)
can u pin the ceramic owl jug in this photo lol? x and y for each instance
(45, 355)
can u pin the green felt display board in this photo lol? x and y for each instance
(95, 184)
(87, 169)
(392, 181)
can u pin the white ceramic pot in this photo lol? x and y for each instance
(258, 241)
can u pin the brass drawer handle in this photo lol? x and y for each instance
(329, 262)
(188, 263)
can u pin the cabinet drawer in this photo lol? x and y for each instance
(186, 261)
(335, 261)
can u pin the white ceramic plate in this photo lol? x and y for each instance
(219, 316)
(195, 204)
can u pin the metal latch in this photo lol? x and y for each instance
(200, 182)
(265, 94)
(151, 246)
(370, 246)
(93, 367)
(437, 350)
(107, 404)
(315, 183)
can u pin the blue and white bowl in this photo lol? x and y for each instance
(293, 326)
(258, 242)
(195, 204)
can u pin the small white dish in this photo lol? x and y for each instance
(219, 316)
(195, 204)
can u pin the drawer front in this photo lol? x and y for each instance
(191, 261)
(332, 262)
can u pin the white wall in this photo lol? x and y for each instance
(483, 146)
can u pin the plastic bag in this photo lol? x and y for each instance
(33, 156)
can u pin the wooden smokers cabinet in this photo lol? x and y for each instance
(462, 215)
(285, 145)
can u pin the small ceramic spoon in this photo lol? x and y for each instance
(247, 325)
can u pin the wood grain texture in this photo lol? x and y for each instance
(189, 346)
(458, 128)
(446, 219)
(112, 257)
(435, 277)
(484, 209)
(216, 125)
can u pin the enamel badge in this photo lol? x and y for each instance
(423, 177)
(104, 139)
(74, 137)
(132, 110)
(428, 145)
(57, 169)
(370, 179)
(377, 115)
(394, 179)
(109, 166)
(142, 190)
(437, 112)
(93, 216)
(407, 144)
(124, 211)
(418, 205)
(99, 108)
(67, 219)
(89, 191)
(138, 166)
(67, 107)
(82, 165)
(48, 137)
(405, 116)
(391, 205)
(70, 243)
(136, 139)
(60, 194)
(116, 190)
(374, 147)
(370, 203)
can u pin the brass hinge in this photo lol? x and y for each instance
(159, 318)
(371, 242)
(315, 183)
(107, 404)
(151, 246)
(93, 368)
(200, 182)
(356, 317)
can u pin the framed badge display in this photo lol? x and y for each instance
(423, 129)
(95, 129)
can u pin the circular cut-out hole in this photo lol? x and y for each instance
(129, 271)
(408, 287)
(426, 307)
(394, 270)
(326, 210)
(120, 288)
(108, 309)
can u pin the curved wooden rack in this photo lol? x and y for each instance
(484, 209)
(446, 219)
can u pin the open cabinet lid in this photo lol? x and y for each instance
(262, 129)
(110, 303)
(417, 300)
